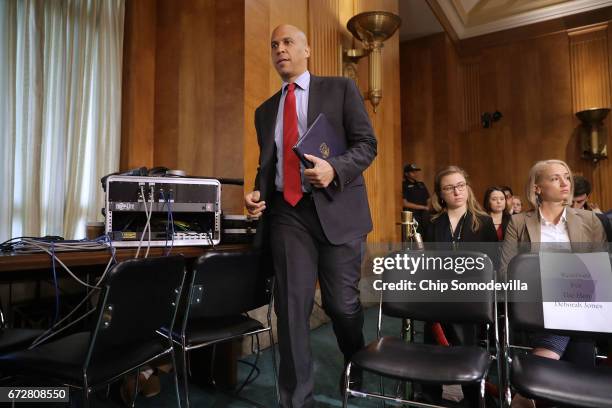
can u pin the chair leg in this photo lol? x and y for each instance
(176, 382)
(347, 376)
(212, 366)
(501, 380)
(136, 387)
(274, 369)
(482, 399)
(382, 390)
(253, 365)
(85, 397)
(85, 392)
(185, 376)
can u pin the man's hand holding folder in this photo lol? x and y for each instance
(322, 174)
(319, 143)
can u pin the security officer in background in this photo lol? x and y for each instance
(415, 195)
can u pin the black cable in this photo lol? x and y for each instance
(253, 366)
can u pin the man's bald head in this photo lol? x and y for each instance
(288, 28)
(289, 51)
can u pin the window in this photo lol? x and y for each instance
(60, 112)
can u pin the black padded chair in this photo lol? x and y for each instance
(138, 297)
(223, 287)
(559, 382)
(395, 358)
(12, 339)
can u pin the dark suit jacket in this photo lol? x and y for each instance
(347, 216)
(607, 226)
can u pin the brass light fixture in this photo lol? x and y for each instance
(593, 134)
(372, 28)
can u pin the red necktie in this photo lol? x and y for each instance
(292, 182)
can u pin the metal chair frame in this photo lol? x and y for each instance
(396, 399)
(507, 346)
(180, 340)
(87, 387)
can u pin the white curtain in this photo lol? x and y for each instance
(60, 112)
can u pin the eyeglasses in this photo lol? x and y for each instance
(459, 187)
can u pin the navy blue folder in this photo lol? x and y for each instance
(320, 140)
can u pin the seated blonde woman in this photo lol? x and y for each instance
(551, 220)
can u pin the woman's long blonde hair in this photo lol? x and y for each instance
(535, 176)
(439, 205)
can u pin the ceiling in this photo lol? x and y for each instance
(417, 20)
(470, 18)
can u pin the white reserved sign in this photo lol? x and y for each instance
(577, 291)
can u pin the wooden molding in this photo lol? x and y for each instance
(448, 27)
(471, 46)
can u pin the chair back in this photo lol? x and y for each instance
(139, 297)
(228, 283)
(421, 296)
(525, 308)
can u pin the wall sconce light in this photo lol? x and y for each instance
(593, 134)
(372, 28)
(487, 119)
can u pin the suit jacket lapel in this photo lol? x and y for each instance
(269, 126)
(314, 98)
(532, 222)
(574, 229)
(271, 116)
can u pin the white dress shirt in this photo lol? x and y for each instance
(554, 233)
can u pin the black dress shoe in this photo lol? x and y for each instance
(355, 382)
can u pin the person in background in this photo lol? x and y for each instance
(550, 191)
(415, 197)
(517, 205)
(582, 190)
(509, 194)
(458, 216)
(495, 205)
(458, 219)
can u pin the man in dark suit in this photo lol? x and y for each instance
(311, 235)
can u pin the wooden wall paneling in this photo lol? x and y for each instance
(527, 81)
(138, 90)
(454, 96)
(589, 67)
(469, 95)
(323, 27)
(425, 103)
(196, 81)
(256, 79)
(602, 193)
(229, 96)
(532, 80)
(167, 85)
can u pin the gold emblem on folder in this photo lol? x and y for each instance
(324, 149)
